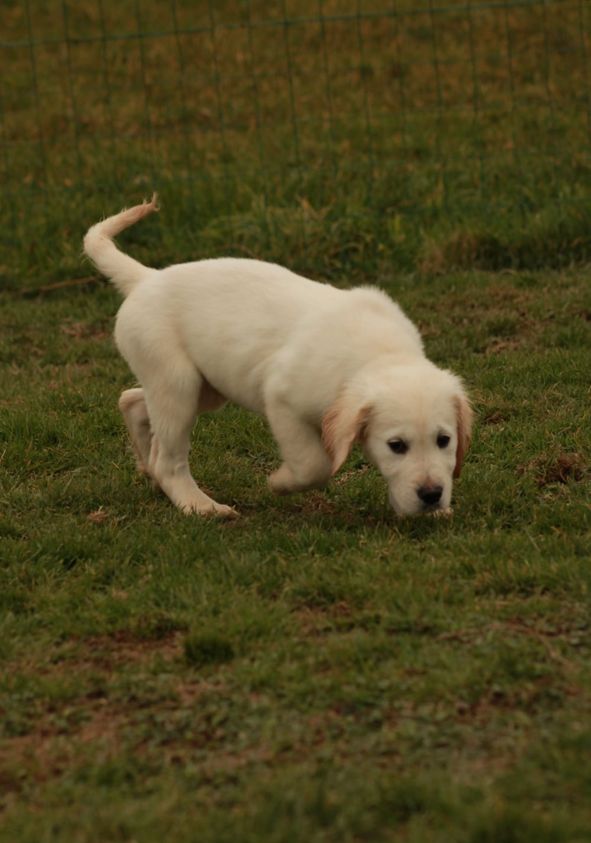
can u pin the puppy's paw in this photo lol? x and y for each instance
(211, 509)
(220, 510)
(281, 481)
(443, 513)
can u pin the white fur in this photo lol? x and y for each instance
(325, 366)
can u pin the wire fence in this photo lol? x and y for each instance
(400, 106)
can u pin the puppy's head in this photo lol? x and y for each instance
(414, 423)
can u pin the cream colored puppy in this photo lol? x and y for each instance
(327, 367)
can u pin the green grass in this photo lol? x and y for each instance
(317, 670)
(359, 136)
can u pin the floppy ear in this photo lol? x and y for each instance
(342, 425)
(464, 414)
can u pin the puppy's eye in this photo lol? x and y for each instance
(398, 446)
(442, 440)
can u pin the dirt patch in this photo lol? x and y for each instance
(67, 737)
(495, 417)
(314, 503)
(499, 345)
(494, 412)
(105, 653)
(47, 749)
(84, 331)
(128, 647)
(527, 698)
(316, 621)
(99, 516)
(562, 468)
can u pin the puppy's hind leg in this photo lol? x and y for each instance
(172, 403)
(132, 404)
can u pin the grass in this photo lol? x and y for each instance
(354, 137)
(317, 670)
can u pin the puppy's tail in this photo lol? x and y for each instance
(124, 272)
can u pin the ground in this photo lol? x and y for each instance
(317, 670)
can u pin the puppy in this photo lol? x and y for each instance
(327, 367)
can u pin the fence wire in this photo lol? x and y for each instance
(403, 104)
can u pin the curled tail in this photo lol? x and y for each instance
(123, 271)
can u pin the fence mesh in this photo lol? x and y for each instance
(397, 107)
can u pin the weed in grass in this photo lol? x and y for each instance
(207, 648)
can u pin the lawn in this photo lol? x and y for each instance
(338, 136)
(318, 670)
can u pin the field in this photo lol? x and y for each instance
(344, 137)
(317, 670)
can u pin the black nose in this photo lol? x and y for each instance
(430, 495)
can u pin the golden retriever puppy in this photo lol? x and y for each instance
(326, 367)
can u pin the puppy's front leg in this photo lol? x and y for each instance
(306, 464)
